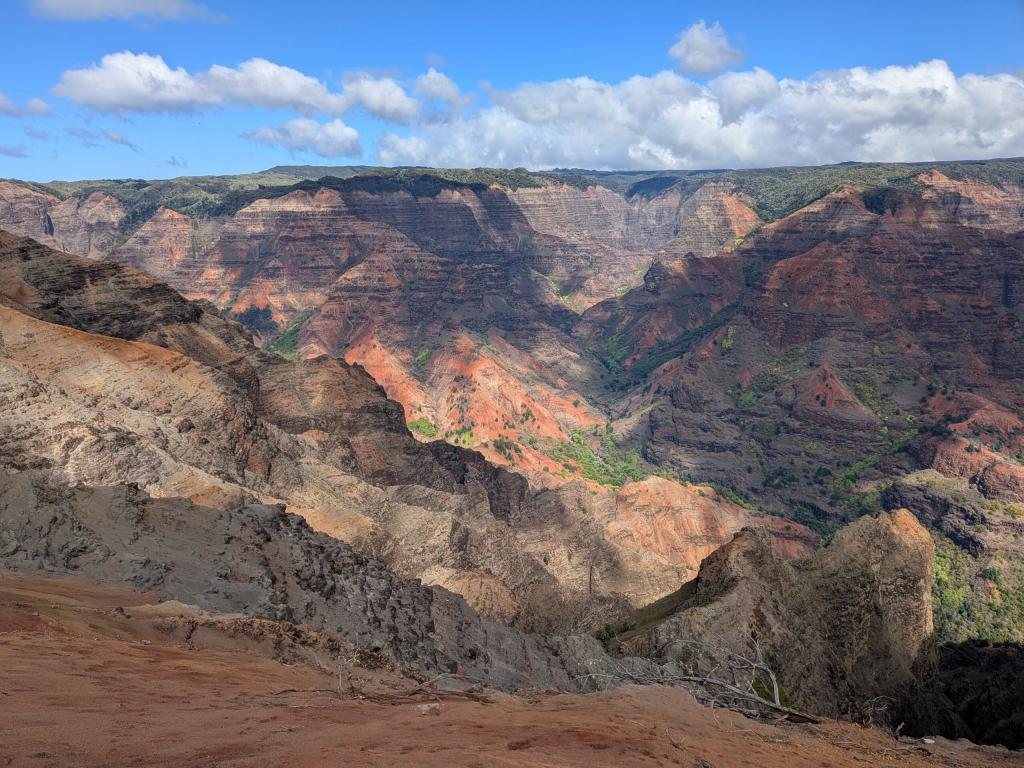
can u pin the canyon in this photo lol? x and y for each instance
(800, 342)
(540, 430)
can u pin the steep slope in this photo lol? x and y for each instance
(110, 377)
(259, 561)
(456, 292)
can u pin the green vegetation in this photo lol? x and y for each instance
(507, 448)
(422, 426)
(462, 436)
(613, 352)
(869, 395)
(729, 339)
(422, 356)
(734, 496)
(975, 603)
(678, 346)
(610, 468)
(768, 379)
(286, 344)
(809, 517)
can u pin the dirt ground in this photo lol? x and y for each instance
(91, 676)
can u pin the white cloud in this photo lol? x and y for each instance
(83, 10)
(134, 82)
(382, 97)
(333, 139)
(262, 83)
(32, 108)
(739, 92)
(704, 50)
(745, 119)
(437, 86)
(9, 151)
(139, 82)
(441, 97)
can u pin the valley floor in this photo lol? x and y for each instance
(91, 676)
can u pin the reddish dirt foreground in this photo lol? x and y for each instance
(83, 684)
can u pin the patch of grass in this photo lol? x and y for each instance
(421, 357)
(734, 496)
(286, 344)
(869, 395)
(462, 436)
(729, 339)
(423, 426)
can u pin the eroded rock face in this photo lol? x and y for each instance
(87, 226)
(426, 290)
(657, 521)
(844, 626)
(109, 377)
(263, 562)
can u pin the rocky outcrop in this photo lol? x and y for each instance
(669, 529)
(974, 203)
(87, 225)
(840, 628)
(821, 397)
(260, 561)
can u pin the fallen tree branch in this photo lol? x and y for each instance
(791, 714)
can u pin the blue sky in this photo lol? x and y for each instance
(514, 83)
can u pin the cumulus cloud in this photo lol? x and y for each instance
(441, 95)
(333, 139)
(32, 108)
(134, 82)
(741, 92)
(704, 50)
(744, 119)
(139, 82)
(437, 86)
(382, 97)
(9, 151)
(85, 10)
(262, 83)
